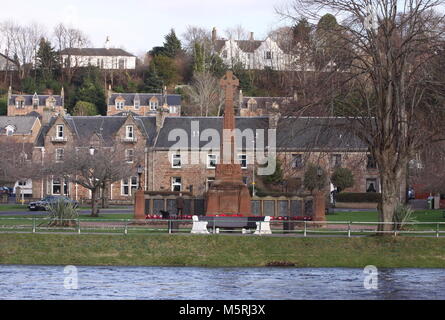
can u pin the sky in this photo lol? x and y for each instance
(139, 25)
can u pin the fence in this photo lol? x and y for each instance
(159, 226)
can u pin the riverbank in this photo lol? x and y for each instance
(220, 251)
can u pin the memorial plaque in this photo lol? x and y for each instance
(256, 207)
(158, 205)
(295, 208)
(269, 207)
(283, 208)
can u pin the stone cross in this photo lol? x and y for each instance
(229, 83)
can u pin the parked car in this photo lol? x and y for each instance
(42, 204)
(5, 190)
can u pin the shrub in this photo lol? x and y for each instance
(62, 213)
(359, 197)
(342, 178)
(312, 180)
(402, 214)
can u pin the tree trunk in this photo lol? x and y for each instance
(94, 211)
(391, 183)
(105, 191)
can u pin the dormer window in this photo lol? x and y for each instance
(51, 102)
(35, 101)
(10, 130)
(119, 104)
(129, 132)
(60, 132)
(20, 103)
(137, 104)
(154, 104)
(251, 104)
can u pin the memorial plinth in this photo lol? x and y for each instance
(228, 194)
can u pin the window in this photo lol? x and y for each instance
(119, 105)
(176, 161)
(57, 187)
(22, 183)
(242, 158)
(137, 104)
(128, 185)
(297, 161)
(122, 63)
(35, 102)
(59, 131)
(224, 54)
(211, 161)
(172, 109)
(129, 155)
(176, 184)
(336, 160)
(210, 180)
(129, 132)
(59, 154)
(154, 104)
(371, 163)
(268, 55)
(245, 179)
(371, 185)
(20, 103)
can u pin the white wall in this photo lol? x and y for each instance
(109, 63)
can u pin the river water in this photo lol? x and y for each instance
(183, 283)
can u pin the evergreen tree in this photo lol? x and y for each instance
(198, 58)
(172, 45)
(152, 82)
(47, 60)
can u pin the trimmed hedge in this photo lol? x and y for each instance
(358, 197)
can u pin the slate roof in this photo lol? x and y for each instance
(96, 52)
(22, 124)
(293, 134)
(42, 99)
(244, 45)
(172, 99)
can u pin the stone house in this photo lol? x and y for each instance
(43, 106)
(143, 104)
(180, 153)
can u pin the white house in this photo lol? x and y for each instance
(104, 58)
(253, 54)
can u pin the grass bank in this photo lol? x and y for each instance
(220, 251)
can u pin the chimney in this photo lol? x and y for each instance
(251, 36)
(160, 117)
(46, 116)
(273, 120)
(214, 35)
(62, 96)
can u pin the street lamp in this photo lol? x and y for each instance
(139, 171)
(253, 168)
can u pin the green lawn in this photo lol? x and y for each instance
(220, 250)
(13, 207)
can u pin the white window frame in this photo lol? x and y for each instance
(60, 131)
(154, 105)
(131, 183)
(120, 105)
(176, 156)
(62, 185)
(174, 183)
(129, 132)
(137, 104)
(209, 160)
(294, 163)
(209, 180)
(242, 157)
(20, 104)
(35, 103)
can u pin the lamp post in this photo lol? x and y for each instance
(253, 169)
(139, 170)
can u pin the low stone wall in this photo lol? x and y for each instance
(356, 205)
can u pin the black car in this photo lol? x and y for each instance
(42, 204)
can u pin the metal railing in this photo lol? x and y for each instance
(153, 226)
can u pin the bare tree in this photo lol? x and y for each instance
(237, 33)
(92, 169)
(387, 92)
(195, 34)
(205, 93)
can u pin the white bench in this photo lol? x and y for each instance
(263, 227)
(199, 227)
